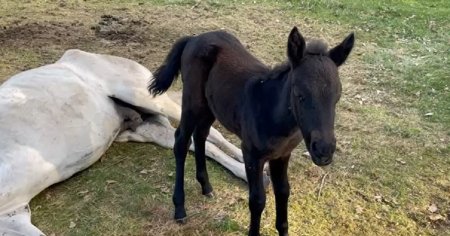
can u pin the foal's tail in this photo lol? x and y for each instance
(168, 72)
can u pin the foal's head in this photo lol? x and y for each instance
(315, 90)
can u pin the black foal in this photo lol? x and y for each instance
(271, 110)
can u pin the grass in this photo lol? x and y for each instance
(392, 160)
(412, 47)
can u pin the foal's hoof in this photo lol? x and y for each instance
(208, 191)
(210, 194)
(181, 221)
(180, 216)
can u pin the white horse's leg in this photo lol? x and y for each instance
(236, 167)
(18, 222)
(217, 138)
(131, 118)
(158, 130)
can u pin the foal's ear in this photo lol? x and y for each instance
(296, 46)
(340, 53)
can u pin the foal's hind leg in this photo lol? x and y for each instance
(182, 142)
(194, 111)
(200, 135)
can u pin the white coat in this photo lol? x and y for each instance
(59, 119)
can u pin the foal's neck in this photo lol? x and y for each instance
(279, 90)
(283, 109)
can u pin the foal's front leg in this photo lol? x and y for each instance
(278, 173)
(257, 195)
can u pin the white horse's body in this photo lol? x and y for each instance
(59, 119)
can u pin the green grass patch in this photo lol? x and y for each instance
(412, 54)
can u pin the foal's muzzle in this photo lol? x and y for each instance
(322, 152)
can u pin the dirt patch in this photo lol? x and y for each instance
(42, 33)
(145, 34)
(118, 28)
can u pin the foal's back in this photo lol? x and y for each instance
(220, 65)
(223, 51)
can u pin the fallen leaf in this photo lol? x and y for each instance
(395, 201)
(83, 192)
(436, 217)
(378, 198)
(111, 181)
(72, 225)
(165, 190)
(432, 208)
(385, 208)
(144, 171)
(87, 198)
(359, 209)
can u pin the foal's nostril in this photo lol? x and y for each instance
(314, 148)
(319, 148)
(327, 160)
(322, 149)
(322, 152)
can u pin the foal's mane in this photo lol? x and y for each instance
(313, 47)
(316, 47)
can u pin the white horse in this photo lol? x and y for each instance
(59, 119)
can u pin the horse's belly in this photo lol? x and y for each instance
(227, 119)
(224, 106)
(51, 126)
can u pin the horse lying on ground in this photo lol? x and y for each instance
(271, 110)
(59, 119)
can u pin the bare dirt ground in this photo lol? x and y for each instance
(144, 33)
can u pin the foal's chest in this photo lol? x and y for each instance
(283, 146)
